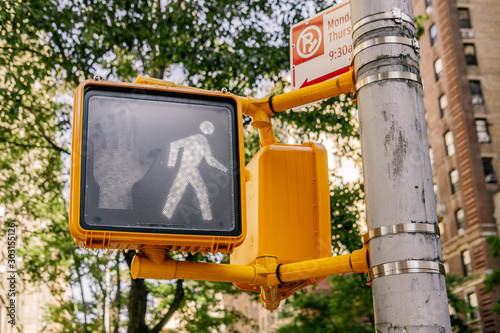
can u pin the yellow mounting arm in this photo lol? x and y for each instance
(274, 281)
(261, 110)
(156, 264)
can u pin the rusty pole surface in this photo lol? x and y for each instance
(406, 273)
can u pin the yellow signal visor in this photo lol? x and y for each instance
(157, 166)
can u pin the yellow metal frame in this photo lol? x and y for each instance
(136, 240)
(275, 282)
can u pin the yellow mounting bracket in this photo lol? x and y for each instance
(275, 281)
(261, 110)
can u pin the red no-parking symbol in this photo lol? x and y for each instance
(308, 41)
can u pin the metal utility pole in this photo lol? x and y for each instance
(406, 268)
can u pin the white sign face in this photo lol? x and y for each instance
(321, 47)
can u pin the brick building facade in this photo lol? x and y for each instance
(461, 74)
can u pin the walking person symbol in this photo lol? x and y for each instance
(195, 148)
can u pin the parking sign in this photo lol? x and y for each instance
(321, 46)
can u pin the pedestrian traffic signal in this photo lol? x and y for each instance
(157, 166)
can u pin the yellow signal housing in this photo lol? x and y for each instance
(288, 206)
(125, 167)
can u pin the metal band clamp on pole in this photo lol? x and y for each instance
(387, 40)
(400, 229)
(387, 76)
(405, 267)
(396, 14)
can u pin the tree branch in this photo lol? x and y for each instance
(179, 297)
(118, 298)
(53, 145)
(40, 130)
(129, 255)
(84, 304)
(20, 48)
(26, 145)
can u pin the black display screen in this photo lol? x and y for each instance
(160, 162)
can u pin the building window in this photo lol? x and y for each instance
(446, 268)
(441, 228)
(441, 210)
(470, 54)
(450, 145)
(454, 181)
(438, 68)
(443, 105)
(464, 18)
(466, 262)
(428, 6)
(433, 34)
(473, 313)
(476, 92)
(483, 136)
(489, 174)
(460, 220)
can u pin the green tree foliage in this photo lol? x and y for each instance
(492, 281)
(462, 310)
(336, 116)
(419, 23)
(346, 206)
(346, 306)
(47, 48)
(459, 306)
(32, 119)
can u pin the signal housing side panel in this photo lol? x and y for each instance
(288, 205)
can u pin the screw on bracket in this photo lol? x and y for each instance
(396, 13)
(97, 78)
(416, 45)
